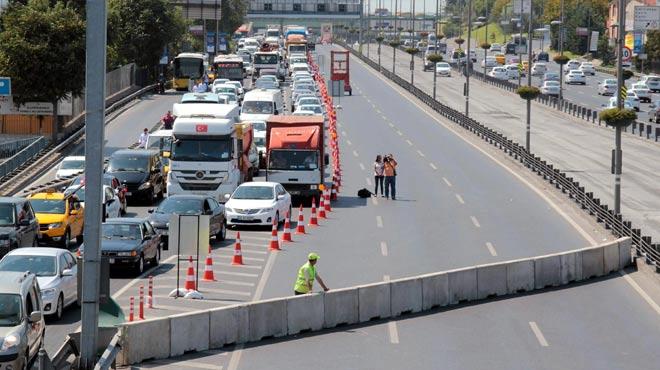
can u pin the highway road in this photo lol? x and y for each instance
(572, 145)
(458, 203)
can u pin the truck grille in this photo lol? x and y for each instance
(198, 187)
(246, 211)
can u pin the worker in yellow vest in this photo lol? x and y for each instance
(306, 276)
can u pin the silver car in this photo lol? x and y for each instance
(550, 88)
(607, 87)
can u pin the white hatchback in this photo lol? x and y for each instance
(575, 77)
(258, 203)
(499, 73)
(72, 165)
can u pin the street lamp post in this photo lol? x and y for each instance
(529, 76)
(467, 61)
(619, 104)
(412, 36)
(435, 31)
(396, 39)
(561, 51)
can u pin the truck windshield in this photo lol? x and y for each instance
(298, 160)
(265, 59)
(297, 48)
(201, 150)
(257, 107)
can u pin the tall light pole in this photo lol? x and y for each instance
(561, 50)
(361, 25)
(435, 32)
(619, 104)
(412, 36)
(529, 75)
(396, 39)
(468, 59)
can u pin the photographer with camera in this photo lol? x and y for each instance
(389, 169)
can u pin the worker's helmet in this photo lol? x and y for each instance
(313, 256)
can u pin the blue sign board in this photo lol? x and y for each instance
(638, 45)
(222, 42)
(5, 86)
(210, 42)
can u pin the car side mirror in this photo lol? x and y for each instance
(326, 159)
(150, 210)
(147, 237)
(73, 212)
(227, 196)
(24, 222)
(35, 316)
(208, 212)
(67, 272)
(280, 197)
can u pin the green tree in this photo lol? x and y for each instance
(233, 15)
(652, 48)
(139, 30)
(42, 48)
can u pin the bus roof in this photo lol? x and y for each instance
(227, 58)
(190, 55)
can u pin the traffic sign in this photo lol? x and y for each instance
(5, 86)
(646, 18)
(627, 54)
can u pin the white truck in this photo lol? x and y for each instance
(206, 150)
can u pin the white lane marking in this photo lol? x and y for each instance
(475, 221)
(409, 142)
(141, 277)
(391, 125)
(383, 248)
(374, 200)
(231, 252)
(238, 266)
(420, 153)
(355, 153)
(349, 142)
(245, 258)
(386, 278)
(203, 289)
(379, 222)
(399, 132)
(369, 181)
(538, 334)
(244, 274)
(491, 249)
(394, 333)
(190, 364)
(446, 181)
(344, 133)
(248, 237)
(378, 110)
(239, 283)
(384, 118)
(361, 166)
(433, 166)
(460, 199)
(261, 245)
(641, 292)
(455, 131)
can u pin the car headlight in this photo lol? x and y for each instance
(127, 254)
(10, 341)
(266, 210)
(47, 292)
(229, 210)
(56, 225)
(146, 185)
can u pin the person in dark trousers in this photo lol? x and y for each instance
(167, 120)
(306, 276)
(389, 169)
(378, 174)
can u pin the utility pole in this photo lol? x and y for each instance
(412, 36)
(619, 104)
(397, 38)
(468, 60)
(435, 32)
(361, 25)
(529, 75)
(561, 51)
(520, 26)
(94, 132)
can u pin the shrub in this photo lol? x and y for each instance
(399, 29)
(434, 58)
(412, 50)
(380, 39)
(395, 44)
(616, 117)
(528, 92)
(440, 36)
(627, 74)
(485, 45)
(560, 59)
(459, 41)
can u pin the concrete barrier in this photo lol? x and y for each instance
(491, 280)
(406, 296)
(228, 325)
(435, 290)
(610, 257)
(374, 301)
(462, 285)
(625, 252)
(592, 262)
(267, 319)
(519, 276)
(547, 271)
(340, 307)
(189, 332)
(304, 313)
(144, 340)
(571, 267)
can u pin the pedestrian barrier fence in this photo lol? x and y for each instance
(255, 321)
(9, 148)
(23, 155)
(620, 227)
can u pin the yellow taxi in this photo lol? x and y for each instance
(500, 58)
(525, 65)
(61, 217)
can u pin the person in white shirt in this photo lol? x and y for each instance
(142, 141)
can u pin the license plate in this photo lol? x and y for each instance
(244, 218)
(111, 260)
(294, 192)
(128, 193)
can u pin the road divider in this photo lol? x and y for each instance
(252, 322)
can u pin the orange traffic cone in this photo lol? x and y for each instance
(327, 203)
(208, 268)
(300, 228)
(333, 195)
(313, 221)
(286, 236)
(238, 256)
(322, 205)
(190, 276)
(274, 242)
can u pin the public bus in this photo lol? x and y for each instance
(229, 66)
(187, 66)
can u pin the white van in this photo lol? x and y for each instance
(161, 140)
(299, 67)
(259, 104)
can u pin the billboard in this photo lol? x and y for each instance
(326, 33)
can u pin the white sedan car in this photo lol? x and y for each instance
(630, 102)
(575, 77)
(443, 69)
(499, 73)
(587, 68)
(550, 88)
(258, 203)
(56, 272)
(71, 165)
(642, 92)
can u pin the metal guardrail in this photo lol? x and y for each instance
(107, 360)
(9, 149)
(23, 156)
(620, 227)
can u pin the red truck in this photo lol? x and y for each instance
(295, 153)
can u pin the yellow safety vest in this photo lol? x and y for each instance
(302, 285)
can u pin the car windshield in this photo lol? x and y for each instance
(314, 108)
(257, 107)
(259, 126)
(80, 192)
(73, 164)
(442, 65)
(7, 215)
(180, 206)
(50, 206)
(254, 192)
(39, 265)
(308, 101)
(121, 231)
(265, 84)
(293, 160)
(260, 141)
(128, 164)
(10, 309)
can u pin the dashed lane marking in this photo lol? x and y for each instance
(203, 289)
(446, 181)
(379, 222)
(399, 132)
(243, 250)
(460, 199)
(640, 291)
(538, 334)
(384, 118)
(239, 266)
(355, 153)
(361, 166)
(491, 249)
(433, 166)
(391, 124)
(245, 258)
(394, 333)
(244, 274)
(383, 249)
(420, 153)
(238, 283)
(349, 142)
(475, 221)
(409, 142)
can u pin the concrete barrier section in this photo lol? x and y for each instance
(610, 257)
(519, 276)
(228, 325)
(406, 296)
(571, 267)
(462, 285)
(592, 262)
(144, 340)
(491, 280)
(374, 301)
(189, 332)
(304, 312)
(625, 252)
(435, 290)
(340, 306)
(267, 319)
(547, 271)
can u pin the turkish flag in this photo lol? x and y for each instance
(202, 128)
